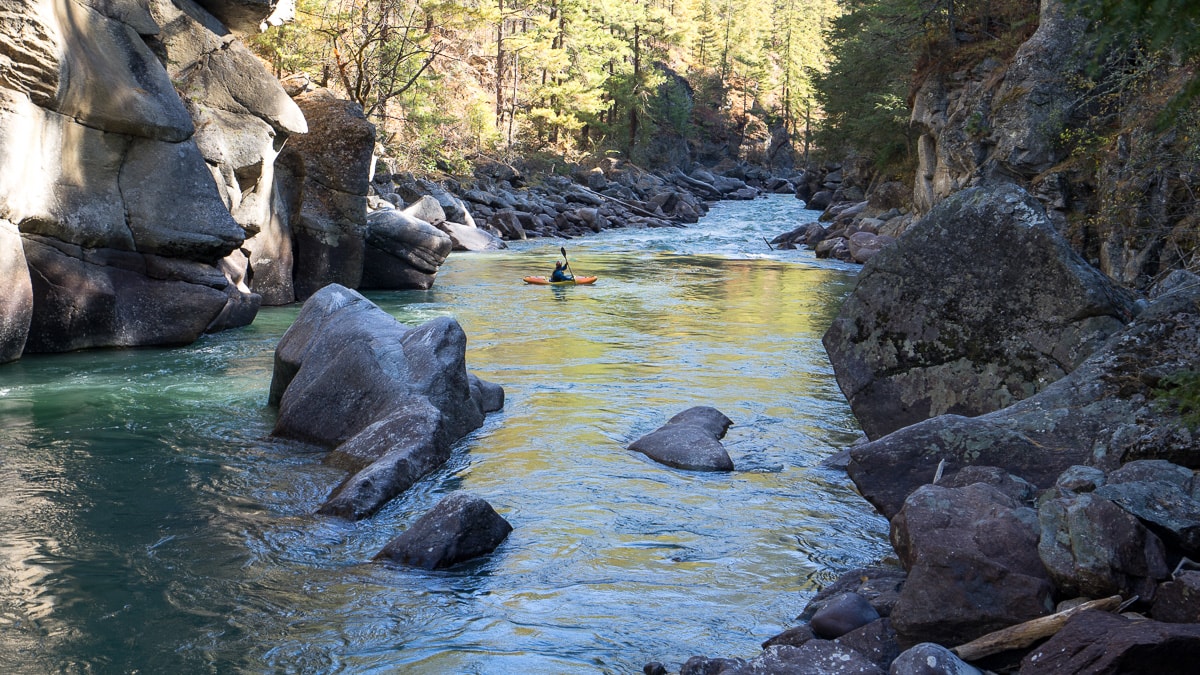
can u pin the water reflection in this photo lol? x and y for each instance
(151, 525)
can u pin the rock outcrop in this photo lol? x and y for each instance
(331, 231)
(1105, 413)
(1033, 119)
(388, 399)
(979, 305)
(136, 147)
(122, 225)
(998, 123)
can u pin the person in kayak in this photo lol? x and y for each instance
(560, 273)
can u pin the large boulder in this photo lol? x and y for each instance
(979, 305)
(1106, 413)
(1093, 548)
(690, 440)
(1099, 643)
(461, 527)
(345, 364)
(390, 399)
(972, 561)
(402, 251)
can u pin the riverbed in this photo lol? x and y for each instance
(150, 524)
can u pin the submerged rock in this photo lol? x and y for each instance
(461, 527)
(690, 440)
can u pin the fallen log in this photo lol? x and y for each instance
(1025, 634)
(638, 210)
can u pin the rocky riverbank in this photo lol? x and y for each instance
(1032, 441)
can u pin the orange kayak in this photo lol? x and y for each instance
(577, 281)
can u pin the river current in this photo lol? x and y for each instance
(148, 524)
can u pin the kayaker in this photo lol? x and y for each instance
(560, 273)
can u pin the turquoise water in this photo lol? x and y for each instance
(150, 525)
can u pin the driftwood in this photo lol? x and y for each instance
(636, 209)
(1025, 634)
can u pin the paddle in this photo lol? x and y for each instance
(563, 249)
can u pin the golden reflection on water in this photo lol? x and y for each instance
(188, 532)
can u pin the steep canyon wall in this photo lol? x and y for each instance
(1117, 177)
(143, 196)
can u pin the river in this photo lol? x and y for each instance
(149, 524)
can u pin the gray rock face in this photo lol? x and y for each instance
(105, 298)
(1105, 644)
(1091, 547)
(973, 132)
(16, 304)
(133, 173)
(972, 561)
(402, 251)
(690, 440)
(390, 399)
(979, 305)
(330, 234)
(1101, 415)
(461, 527)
